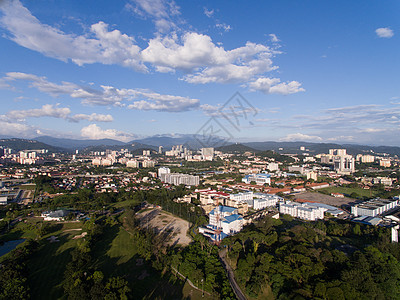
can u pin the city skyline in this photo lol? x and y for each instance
(315, 72)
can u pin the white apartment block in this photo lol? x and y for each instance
(273, 166)
(148, 163)
(374, 207)
(301, 210)
(178, 178)
(312, 175)
(384, 162)
(241, 197)
(365, 158)
(344, 164)
(207, 153)
(262, 201)
(132, 164)
(163, 170)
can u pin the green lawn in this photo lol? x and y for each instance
(348, 191)
(47, 266)
(125, 203)
(116, 255)
(30, 187)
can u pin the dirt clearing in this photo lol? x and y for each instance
(172, 229)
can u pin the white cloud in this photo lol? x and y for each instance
(16, 129)
(168, 103)
(300, 137)
(273, 38)
(161, 11)
(211, 63)
(194, 54)
(341, 138)
(49, 110)
(94, 132)
(275, 86)
(224, 27)
(148, 100)
(42, 84)
(208, 13)
(92, 118)
(384, 32)
(104, 46)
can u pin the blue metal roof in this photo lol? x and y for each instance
(232, 218)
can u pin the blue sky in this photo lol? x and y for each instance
(319, 71)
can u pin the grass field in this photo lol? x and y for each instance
(348, 191)
(125, 203)
(29, 187)
(47, 266)
(115, 254)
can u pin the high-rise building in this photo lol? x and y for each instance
(163, 170)
(207, 153)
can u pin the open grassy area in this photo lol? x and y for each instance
(348, 191)
(29, 187)
(47, 265)
(116, 255)
(125, 203)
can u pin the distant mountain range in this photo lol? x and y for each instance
(315, 148)
(73, 144)
(190, 141)
(24, 144)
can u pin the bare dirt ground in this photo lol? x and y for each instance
(172, 229)
(326, 199)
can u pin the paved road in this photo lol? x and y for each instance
(238, 292)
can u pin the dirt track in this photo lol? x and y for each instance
(171, 228)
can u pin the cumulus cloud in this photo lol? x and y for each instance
(13, 128)
(102, 45)
(293, 137)
(94, 132)
(196, 55)
(167, 103)
(275, 86)
(47, 110)
(54, 111)
(384, 32)
(108, 95)
(162, 12)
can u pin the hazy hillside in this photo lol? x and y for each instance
(24, 144)
(77, 144)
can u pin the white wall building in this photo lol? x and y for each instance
(163, 170)
(273, 166)
(207, 153)
(226, 219)
(260, 179)
(241, 197)
(301, 210)
(374, 207)
(178, 178)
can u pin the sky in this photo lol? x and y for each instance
(315, 71)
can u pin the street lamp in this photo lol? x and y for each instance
(202, 288)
